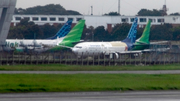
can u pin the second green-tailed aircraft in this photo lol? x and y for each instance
(128, 45)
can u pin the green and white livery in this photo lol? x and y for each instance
(22, 45)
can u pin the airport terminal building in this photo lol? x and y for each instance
(92, 20)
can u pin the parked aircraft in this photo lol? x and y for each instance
(23, 45)
(129, 45)
(126, 46)
(96, 48)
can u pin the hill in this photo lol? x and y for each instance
(50, 9)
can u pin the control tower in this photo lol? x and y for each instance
(7, 8)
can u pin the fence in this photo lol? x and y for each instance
(157, 55)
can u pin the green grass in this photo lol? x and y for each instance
(58, 67)
(87, 82)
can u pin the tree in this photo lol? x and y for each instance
(24, 22)
(27, 30)
(88, 33)
(176, 33)
(176, 14)
(139, 32)
(100, 34)
(161, 32)
(120, 31)
(154, 12)
(71, 12)
(113, 14)
(48, 31)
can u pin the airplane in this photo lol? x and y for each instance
(22, 45)
(128, 45)
(85, 49)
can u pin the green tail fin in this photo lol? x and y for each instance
(143, 42)
(145, 36)
(74, 35)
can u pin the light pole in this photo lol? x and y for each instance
(91, 10)
(119, 7)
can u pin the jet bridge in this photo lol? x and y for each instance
(6, 12)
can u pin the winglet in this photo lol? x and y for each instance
(74, 35)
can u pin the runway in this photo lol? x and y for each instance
(94, 96)
(93, 72)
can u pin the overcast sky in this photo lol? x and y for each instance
(128, 7)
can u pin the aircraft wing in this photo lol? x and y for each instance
(129, 52)
(65, 46)
(146, 50)
(158, 49)
(159, 42)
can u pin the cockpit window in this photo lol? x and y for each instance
(78, 47)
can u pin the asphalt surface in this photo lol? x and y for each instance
(94, 96)
(93, 72)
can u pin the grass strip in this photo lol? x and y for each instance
(87, 82)
(59, 67)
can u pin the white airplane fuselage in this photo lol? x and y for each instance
(36, 45)
(96, 48)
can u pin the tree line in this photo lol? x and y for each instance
(57, 9)
(29, 30)
(120, 31)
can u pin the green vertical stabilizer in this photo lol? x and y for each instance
(72, 37)
(143, 41)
